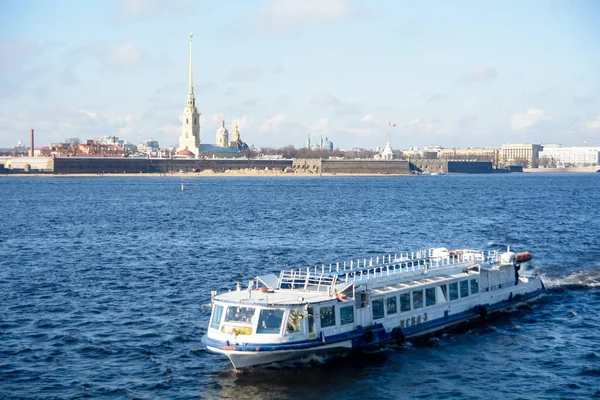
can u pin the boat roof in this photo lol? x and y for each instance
(291, 297)
(320, 284)
(277, 297)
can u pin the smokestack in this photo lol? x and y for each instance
(31, 150)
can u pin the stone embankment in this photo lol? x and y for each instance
(570, 169)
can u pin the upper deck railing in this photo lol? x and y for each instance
(320, 278)
(305, 279)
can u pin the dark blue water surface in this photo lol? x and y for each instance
(103, 282)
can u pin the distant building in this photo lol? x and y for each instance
(91, 148)
(236, 141)
(558, 156)
(471, 153)
(189, 141)
(322, 145)
(432, 148)
(525, 154)
(413, 152)
(114, 140)
(222, 135)
(190, 119)
(388, 152)
(18, 151)
(148, 147)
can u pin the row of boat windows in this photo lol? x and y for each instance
(328, 318)
(433, 296)
(270, 320)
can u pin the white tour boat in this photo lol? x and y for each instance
(364, 303)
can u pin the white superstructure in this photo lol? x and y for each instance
(363, 303)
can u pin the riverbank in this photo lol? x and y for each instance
(208, 173)
(571, 169)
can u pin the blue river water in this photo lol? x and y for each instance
(104, 283)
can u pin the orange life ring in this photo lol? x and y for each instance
(342, 296)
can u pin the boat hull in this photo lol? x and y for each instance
(242, 359)
(245, 359)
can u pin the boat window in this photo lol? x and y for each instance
(392, 305)
(453, 290)
(442, 294)
(294, 321)
(417, 299)
(474, 286)
(270, 321)
(405, 302)
(311, 320)
(347, 315)
(377, 306)
(464, 288)
(239, 314)
(430, 296)
(327, 316)
(216, 316)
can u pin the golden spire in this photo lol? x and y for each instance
(191, 78)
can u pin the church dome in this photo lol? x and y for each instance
(222, 130)
(185, 152)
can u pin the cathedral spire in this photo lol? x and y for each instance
(190, 120)
(191, 79)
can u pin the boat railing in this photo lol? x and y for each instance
(305, 279)
(320, 277)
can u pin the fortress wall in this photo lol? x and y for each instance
(81, 165)
(396, 167)
(307, 165)
(456, 167)
(470, 167)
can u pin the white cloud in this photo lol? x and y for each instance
(592, 125)
(427, 126)
(15, 53)
(528, 119)
(367, 126)
(321, 126)
(479, 74)
(246, 74)
(124, 57)
(216, 117)
(141, 8)
(295, 11)
(272, 124)
(243, 123)
(368, 119)
(323, 98)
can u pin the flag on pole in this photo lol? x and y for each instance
(390, 123)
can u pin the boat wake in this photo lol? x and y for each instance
(578, 280)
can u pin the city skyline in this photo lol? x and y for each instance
(455, 75)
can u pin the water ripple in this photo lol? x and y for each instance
(103, 282)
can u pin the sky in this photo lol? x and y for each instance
(450, 73)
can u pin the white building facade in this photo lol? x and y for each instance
(570, 156)
(526, 153)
